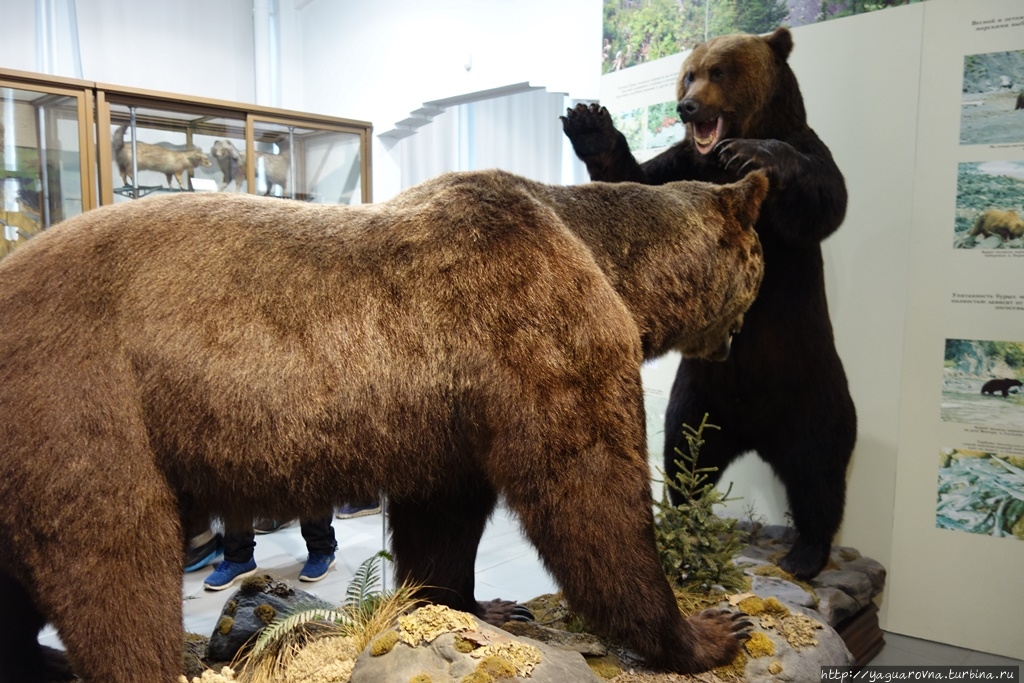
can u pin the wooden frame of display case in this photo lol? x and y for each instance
(83, 92)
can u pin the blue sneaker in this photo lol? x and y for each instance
(316, 567)
(227, 573)
(206, 553)
(351, 511)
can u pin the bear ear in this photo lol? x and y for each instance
(781, 42)
(743, 198)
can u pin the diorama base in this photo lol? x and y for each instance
(862, 635)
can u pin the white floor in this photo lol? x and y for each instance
(507, 568)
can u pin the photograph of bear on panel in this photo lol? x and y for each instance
(782, 391)
(480, 335)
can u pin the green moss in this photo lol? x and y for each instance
(606, 667)
(759, 645)
(231, 608)
(265, 613)
(756, 606)
(384, 643)
(255, 584)
(463, 645)
(224, 625)
(496, 667)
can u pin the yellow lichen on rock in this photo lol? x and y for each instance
(775, 668)
(734, 670)
(522, 656)
(759, 645)
(798, 630)
(325, 660)
(477, 677)
(427, 623)
(421, 678)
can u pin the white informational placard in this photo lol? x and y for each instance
(958, 534)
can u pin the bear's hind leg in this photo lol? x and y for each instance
(815, 483)
(435, 540)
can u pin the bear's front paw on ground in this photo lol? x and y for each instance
(718, 635)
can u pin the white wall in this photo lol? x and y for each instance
(377, 63)
(191, 47)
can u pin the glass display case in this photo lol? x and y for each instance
(67, 146)
(45, 155)
(158, 143)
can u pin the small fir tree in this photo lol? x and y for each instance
(696, 546)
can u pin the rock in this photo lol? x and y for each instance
(785, 591)
(793, 657)
(586, 644)
(847, 585)
(453, 655)
(835, 606)
(254, 605)
(855, 584)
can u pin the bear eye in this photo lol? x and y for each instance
(688, 78)
(717, 74)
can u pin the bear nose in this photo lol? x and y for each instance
(688, 109)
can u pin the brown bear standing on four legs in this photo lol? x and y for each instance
(782, 391)
(479, 335)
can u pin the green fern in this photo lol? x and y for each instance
(361, 592)
(285, 625)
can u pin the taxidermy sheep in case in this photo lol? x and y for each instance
(184, 356)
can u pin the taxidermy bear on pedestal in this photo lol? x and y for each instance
(479, 335)
(782, 391)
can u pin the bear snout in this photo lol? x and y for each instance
(690, 110)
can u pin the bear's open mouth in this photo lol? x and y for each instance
(707, 133)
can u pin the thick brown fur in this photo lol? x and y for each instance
(1020, 101)
(156, 158)
(232, 164)
(479, 335)
(782, 391)
(1005, 224)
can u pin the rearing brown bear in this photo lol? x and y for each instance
(478, 335)
(782, 391)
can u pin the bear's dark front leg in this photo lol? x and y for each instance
(435, 542)
(599, 145)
